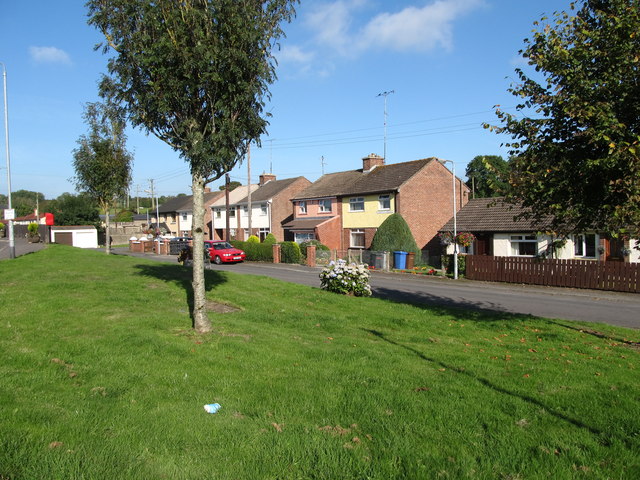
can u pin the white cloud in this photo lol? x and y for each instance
(415, 28)
(294, 54)
(49, 55)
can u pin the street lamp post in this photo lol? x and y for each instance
(12, 246)
(455, 223)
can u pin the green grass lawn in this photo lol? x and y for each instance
(103, 378)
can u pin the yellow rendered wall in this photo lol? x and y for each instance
(370, 217)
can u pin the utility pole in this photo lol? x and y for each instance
(249, 185)
(226, 196)
(138, 199)
(385, 95)
(12, 245)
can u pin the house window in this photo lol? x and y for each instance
(218, 213)
(356, 204)
(585, 245)
(384, 202)
(324, 205)
(524, 245)
(184, 217)
(232, 213)
(246, 233)
(300, 237)
(263, 233)
(173, 218)
(303, 207)
(263, 209)
(245, 211)
(357, 238)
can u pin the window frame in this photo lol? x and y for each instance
(382, 203)
(324, 205)
(356, 233)
(523, 241)
(581, 247)
(356, 202)
(302, 207)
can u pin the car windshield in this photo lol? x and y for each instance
(222, 246)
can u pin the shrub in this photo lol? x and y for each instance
(270, 239)
(290, 252)
(393, 235)
(124, 216)
(253, 239)
(1, 226)
(319, 246)
(339, 277)
(447, 263)
(33, 229)
(256, 252)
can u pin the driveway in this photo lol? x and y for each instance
(621, 309)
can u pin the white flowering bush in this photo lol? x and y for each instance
(340, 277)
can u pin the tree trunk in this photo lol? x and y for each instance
(201, 321)
(107, 241)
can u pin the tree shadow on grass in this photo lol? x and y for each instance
(489, 384)
(462, 310)
(182, 277)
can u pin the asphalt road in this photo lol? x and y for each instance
(621, 309)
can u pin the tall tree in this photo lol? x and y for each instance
(101, 161)
(488, 176)
(194, 73)
(69, 209)
(576, 136)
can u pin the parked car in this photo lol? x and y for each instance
(220, 251)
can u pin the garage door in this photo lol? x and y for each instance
(64, 238)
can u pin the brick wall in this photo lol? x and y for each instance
(328, 233)
(426, 203)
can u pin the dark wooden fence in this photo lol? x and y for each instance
(615, 276)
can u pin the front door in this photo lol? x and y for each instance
(614, 248)
(483, 244)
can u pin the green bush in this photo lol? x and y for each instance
(256, 252)
(253, 239)
(33, 229)
(394, 235)
(319, 246)
(124, 216)
(290, 252)
(270, 239)
(447, 264)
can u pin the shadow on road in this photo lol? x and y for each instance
(182, 277)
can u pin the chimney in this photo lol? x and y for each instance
(371, 161)
(207, 190)
(266, 178)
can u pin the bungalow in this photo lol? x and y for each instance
(344, 210)
(499, 230)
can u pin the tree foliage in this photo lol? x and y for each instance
(69, 209)
(488, 176)
(196, 74)
(101, 160)
(575, 138)
(394, 235)
(232, 186)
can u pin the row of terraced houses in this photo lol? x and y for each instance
(341, 210)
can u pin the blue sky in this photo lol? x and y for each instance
(448, 62)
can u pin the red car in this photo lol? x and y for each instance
(220, 252)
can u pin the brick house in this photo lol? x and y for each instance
(270, 206)
(499, 230)
(344, 210)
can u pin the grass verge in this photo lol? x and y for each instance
(102, 377)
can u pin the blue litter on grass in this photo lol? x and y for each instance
(212, 407)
